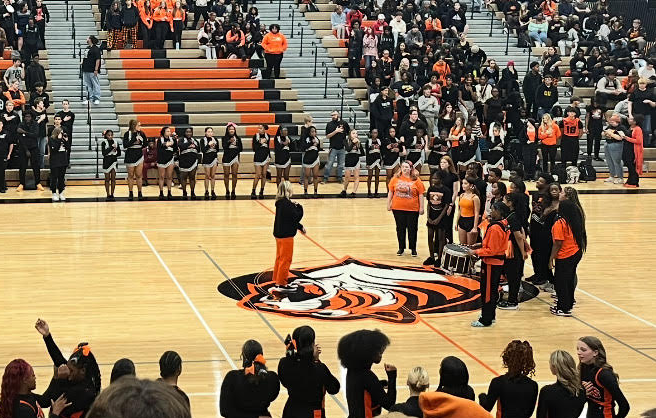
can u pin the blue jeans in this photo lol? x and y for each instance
(335, 155)
(646, 130)
(42, 149)
(614, 159)
(538, 37)
(92, 84)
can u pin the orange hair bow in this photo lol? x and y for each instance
(251, 369)
(86, 349)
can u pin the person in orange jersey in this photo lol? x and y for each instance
(163, 23)
(548, 134)
(572, 130)
(493, 253)
(285, 226)
(274, 44)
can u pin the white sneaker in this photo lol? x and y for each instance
(61, 197)
(85, 102)
(96, 102)
(618, 181)
(609, 180)
(55, 197)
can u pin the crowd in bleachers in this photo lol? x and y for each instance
(23, 27)
(247, 392)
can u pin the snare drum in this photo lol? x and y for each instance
(456, 259)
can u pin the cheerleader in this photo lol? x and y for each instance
(166, 149)
(232, 147)
(110, 151)
(495, 154)
(415, 147)
(439, 201)
(392, 150)
(437, 147)
(283, 161)
(261, 158)
(210, 149)
(456, 135)
(468, 212)
(354, 150)
(374, 160)
(468, 147)
(134, 141)
(188, 147)
(58, 148)
(311, 147)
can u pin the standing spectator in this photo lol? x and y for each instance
(614, 135)
(146, 23)
(354, 45)
(39, 112)
(67, 118)
(90, 70)
(103, 6)
(633, 150)
(369, 47)
(21, 17)
(179, 20)
(200, 9)
(7, 23)
(566, 397)
(406, 200)
(338, 22)
(35, 73)
(548, 134)
(642, 102)
(509, 77)
(31, 41)
(336, 131)
(546, 96)
(28, 132)
(274, 44)
(571, 128)
(594, 123)
(41, 17)
(14, 94)
(15, 72)
(609, 88)
(6, 149)
(429, 108)
(58, 150)
(130, 21)
(163, 23)
(114, 26)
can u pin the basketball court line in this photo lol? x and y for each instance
(189, 302)
(438, 332)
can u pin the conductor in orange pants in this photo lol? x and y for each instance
(288, 221)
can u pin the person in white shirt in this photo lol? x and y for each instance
(571, 41)
(338, 22)
(398, 27)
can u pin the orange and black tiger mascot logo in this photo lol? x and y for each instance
(353, 289)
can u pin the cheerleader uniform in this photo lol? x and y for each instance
(495, 154)
(231, 150)
(416, 151)
(391, 157)
(468, 147)
(311, 149)
(134, 143)
(188, 148)
(283, 156)
(165, 154)
(262, 152)
(110, 154)
(210, 151)
(438, 149)
(374, 158)
(353, 153)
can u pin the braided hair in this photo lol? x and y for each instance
(170, 364)
(15, 373)
(83, 358)
(252, 357)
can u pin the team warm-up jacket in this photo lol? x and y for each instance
(366, 395)
(306, 382)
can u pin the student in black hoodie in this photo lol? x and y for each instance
(418, 382)
(248, 392)
(546, 96)
(28, 133)
(35, 73)
(365, 394)
(382, 110)
(130, 20)
(454, 378)
(306, 378)
(78, 378)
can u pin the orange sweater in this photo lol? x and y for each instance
(146, 17)
(443, 70)
(234, 38)
(443, 405)
(161, 15)
(274, 43)
(546, 138)
(17, 102)
(433, 24)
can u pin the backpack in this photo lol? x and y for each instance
(588, 172)
(559, 173)
(573, 174)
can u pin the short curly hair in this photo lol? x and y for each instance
(360, 349)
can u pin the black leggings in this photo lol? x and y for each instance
(237, 50)
(436, 242)
(490, 276)
(57, 181)
(529, 152)
(594, 137)
(178, 26)
(548, 156)
(198, 11)
(406, 221)
(3, 168)
(161, 30)
(272, 64)
(565, 280)
(628, 156)
(513, 268)
(35, 162)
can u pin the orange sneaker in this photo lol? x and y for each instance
(19, 188)
(39, 187)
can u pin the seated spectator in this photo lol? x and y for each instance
(338, 22)
(621, 57)
(609, 88)
(379, 25)
(454, 378)
(205, 41)
(433, 28)
(398, 27)
(571, 41)
(417, 382)
(354, 15)
(235, 41)
(648, 72)
(537, 30)
(636, 35)
(414, 40)
(13, 73)
(550, 62)
(123, 367)
(458, 21)
(443, 405)
(133, 398)
(509, 79)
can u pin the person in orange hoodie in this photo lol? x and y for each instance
(17, 96)
(433, 28)
(443, 405)
(235, 41)
(548, 134)
(442, 69)
(146, 22)
(163, 22)
(274, 44)
(492, 253)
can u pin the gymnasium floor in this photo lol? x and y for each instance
(135, 279)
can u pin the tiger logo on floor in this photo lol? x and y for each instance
(352, 289)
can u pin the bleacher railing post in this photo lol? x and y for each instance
(325, 86)
(472, 11)
(292, 16)
(97, 158)
(341, 104)
(316, 52)
(67, 10)
(507, 37)
(73, 30)
(89, 118)
(279, 6)
(491, 21)
(528, 64)
(300, 51)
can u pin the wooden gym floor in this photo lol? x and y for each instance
(137, 279)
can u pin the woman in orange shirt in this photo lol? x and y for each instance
(146, 22)
(467, 215)
(569, 243)
(548, 134)
(406, 201)
(274, 44)
(456, 134)
(163, 22)
(178, 17)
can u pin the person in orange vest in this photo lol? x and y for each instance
(163, 22)
(235, 41)
(572, 129)
(548, 134)
(493, 253)
(274, 44)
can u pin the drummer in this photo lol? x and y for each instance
(492, 252)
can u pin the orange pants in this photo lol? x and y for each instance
(284, 253)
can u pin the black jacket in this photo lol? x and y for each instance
(34, 73)
(243, 397)
(288, 218)
(306, 382)
(130, 17)
(546, 97)
(58, 149)
(531, 83)
(29, 135)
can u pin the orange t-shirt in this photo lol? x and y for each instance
(405, 193)
(549, 139)
(561, 231)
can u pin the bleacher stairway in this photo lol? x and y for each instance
(64, 68)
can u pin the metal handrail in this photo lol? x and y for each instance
(505, 25)
(491, 21)
(89, 118)
(73, 29)
(66, 10)
(97, 158)
(300, 51)
(325, 86)
(315, 53)
(291, 14)
(279, 6)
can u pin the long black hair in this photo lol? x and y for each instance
(360, 349)
(252, 359)
(571, 213)
(454, 378)
(83, 358)
(300, 345)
